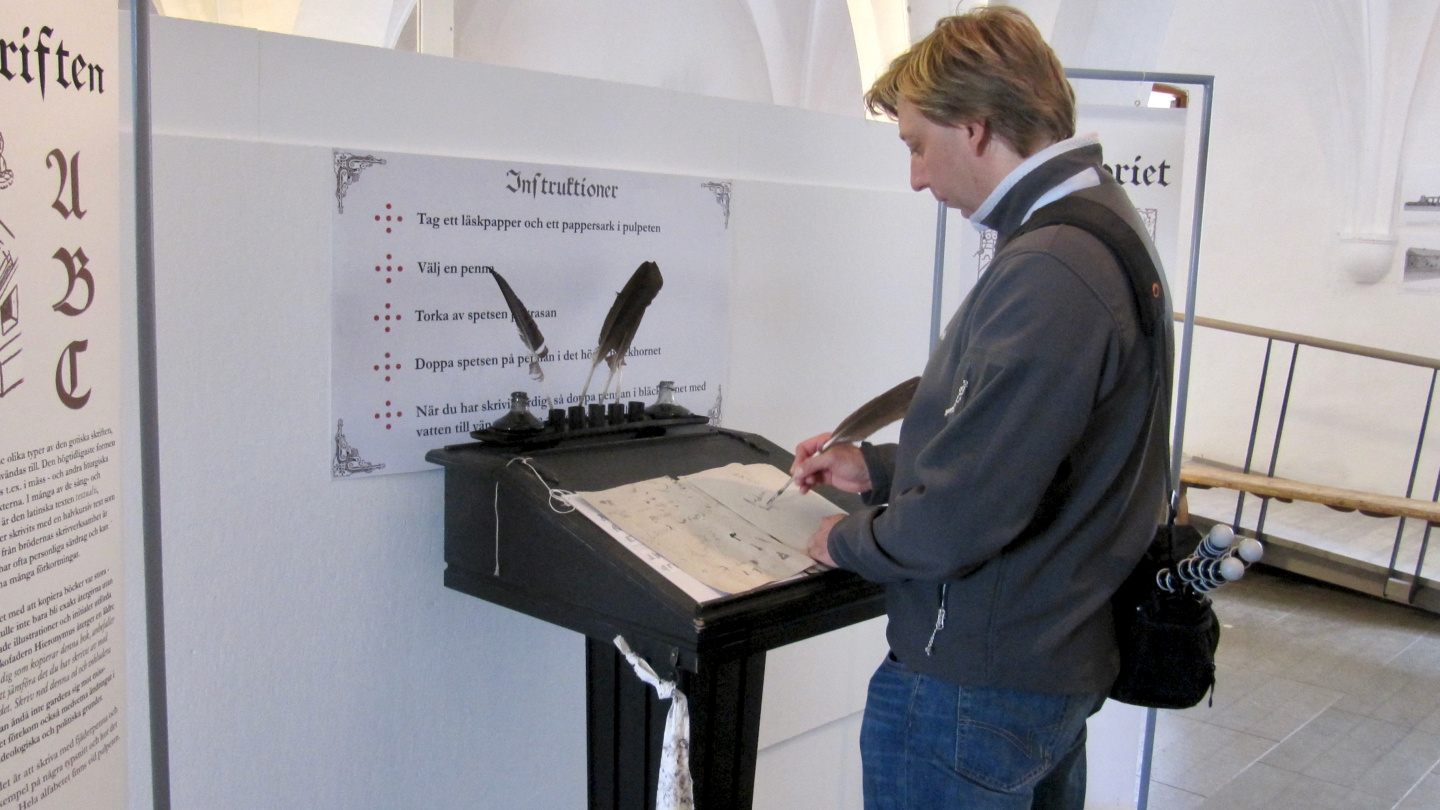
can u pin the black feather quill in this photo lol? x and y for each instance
(875, 414)
(529, 332)
(868, 418)
(622, 322)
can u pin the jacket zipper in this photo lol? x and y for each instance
(939, 619)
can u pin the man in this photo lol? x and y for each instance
(1031, 466)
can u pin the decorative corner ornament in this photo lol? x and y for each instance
(347, 459)
(347, 171)
(722, 196)
(6, 175)
(716, 412)
(986, 252)
(1151, 218)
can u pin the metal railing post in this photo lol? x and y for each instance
(1254, 432)
(1414, 470)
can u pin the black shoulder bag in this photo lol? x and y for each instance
(1167, 640)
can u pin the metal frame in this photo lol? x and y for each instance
(149, 407)
(1183, 384)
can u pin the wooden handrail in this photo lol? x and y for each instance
(1345, 500)
(1319, 343)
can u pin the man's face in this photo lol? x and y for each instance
(944, 159)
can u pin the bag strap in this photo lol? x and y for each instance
(1146, 286)
(1146, 289)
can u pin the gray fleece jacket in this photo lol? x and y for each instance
(1028, 479)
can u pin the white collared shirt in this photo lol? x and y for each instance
(1088, 178)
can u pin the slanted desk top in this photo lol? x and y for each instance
(564, 569)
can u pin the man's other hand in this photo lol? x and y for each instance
(820, 540)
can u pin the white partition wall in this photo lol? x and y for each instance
(315, 660)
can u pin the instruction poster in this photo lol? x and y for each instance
(426, 347)
(62, 693)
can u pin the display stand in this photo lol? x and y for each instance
(505, 542)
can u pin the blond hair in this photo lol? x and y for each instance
(989, 65)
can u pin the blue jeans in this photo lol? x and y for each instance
(927, 743)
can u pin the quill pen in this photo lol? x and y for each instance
(529, 332)
(622, 322)
(868, 418)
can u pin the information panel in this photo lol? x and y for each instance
(426, 345)
(62, 697)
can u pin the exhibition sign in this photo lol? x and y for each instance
(62, 697)
(434, 256)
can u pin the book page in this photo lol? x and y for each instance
(744, 488)
(693, 588)
(711, 539)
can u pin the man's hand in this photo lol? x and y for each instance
(842, 466)
(820, 540)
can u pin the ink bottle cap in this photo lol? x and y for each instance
(519, 419)
(665, 406)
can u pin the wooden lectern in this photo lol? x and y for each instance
(564, 569)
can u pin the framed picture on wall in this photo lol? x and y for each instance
(1420, 197)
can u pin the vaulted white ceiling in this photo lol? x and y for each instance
(822, 54)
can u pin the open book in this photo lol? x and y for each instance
(708, 532)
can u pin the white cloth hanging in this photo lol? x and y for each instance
(676, 791)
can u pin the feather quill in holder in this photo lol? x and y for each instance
(529, 332)
(868, 418)
(622, 322)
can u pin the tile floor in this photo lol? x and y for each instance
(1325, 698)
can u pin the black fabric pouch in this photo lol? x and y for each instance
(1167, 640)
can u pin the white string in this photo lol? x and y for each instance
(675, 789)
(560, 496)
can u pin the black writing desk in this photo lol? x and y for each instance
(564, 569)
